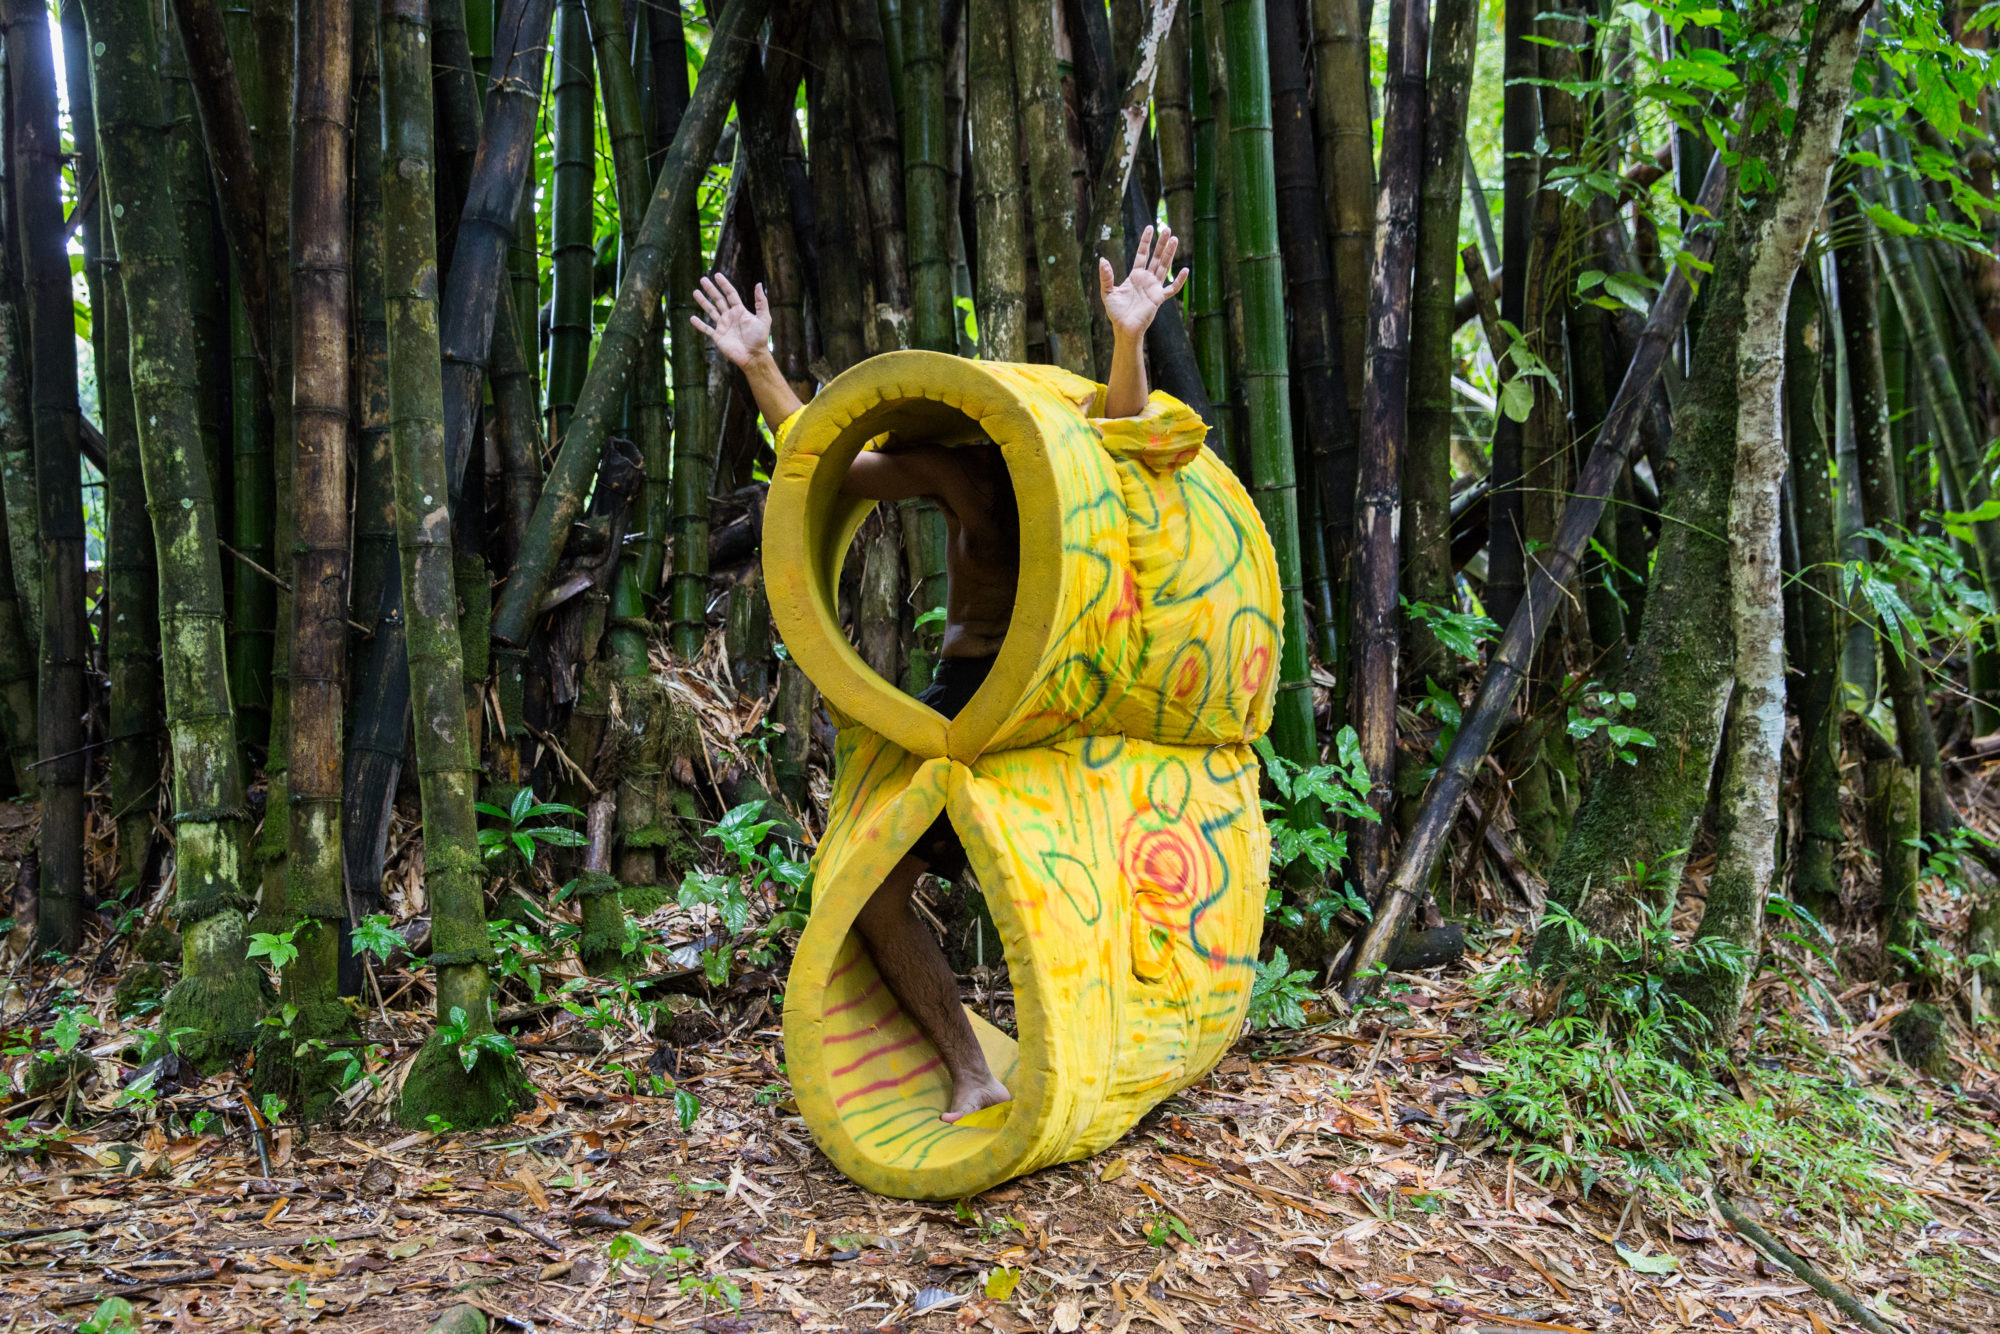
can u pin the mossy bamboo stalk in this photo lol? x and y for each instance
(1253, 196)
(1045, 137)
(926, 184)
(17, 665)
(638, 291)
(219, 995)
(1385, 383)
(693, 440)
(1001, 299)
(37, 215)
(439, 1083)
(203, 253)
(1426, 524)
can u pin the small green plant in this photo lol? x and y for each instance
(1279, 994)
(199, 1123)
(1602, 1078)
(1594, 710)
(1460, 631)
(686, 1108)
(515, 840)
(273, 1108)
(454, 1032)
(1162, 1229)
(278, 948)
(436, 1124)
(376, 935)
(113, 1315)
(744, 837)
(1303, 828)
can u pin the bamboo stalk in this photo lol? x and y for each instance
(1385, 383)
(1045, 137)
(693, 439)
(1327, 425)
(447, 775)
(225, 126)
(1506, 564)
(572, 235)
(1611, 454)
(1206, 317)
(872, 77)
(765, 102)
(219, 995)
(618, 346)
(1173, 115)
(1253, 190)
(1341, 89)
(925, 179)
(833, 135)
(1817, 691)
(1001, 301)
(35, 173)
(1426, 525)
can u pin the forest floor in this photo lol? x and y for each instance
(1331, 1176)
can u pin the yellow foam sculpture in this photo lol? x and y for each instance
(1101, 780)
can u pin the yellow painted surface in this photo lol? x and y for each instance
(1101, 779)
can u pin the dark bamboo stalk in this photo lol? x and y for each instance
(225, 126)
(1817, 687)
(829, 112)
(638, 291)
(875, 104)
(765, 103)
(693, 439)
(1341, 88)
(1208, 321)
(573, 234)
(219, 995)
(1506, 563)
(1426, 527)
(1002, 297)
(35, 173)
(1320, 383)
(1608, 458)
(132, 638)
(17, 449)
(1385, 382)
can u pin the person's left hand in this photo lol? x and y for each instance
(1131, 305)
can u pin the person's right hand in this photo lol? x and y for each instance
(740, 334)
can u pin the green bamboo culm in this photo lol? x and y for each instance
(1268, 434)
(573, 238)
(639, 292)
(201, 244)
(35, 181)
(220, 995)
(1044, 134)
(439, 1083)
(17, 466)
(692, 452)
(17, 624)
(928, 210)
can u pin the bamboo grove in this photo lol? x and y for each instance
(1617, 384)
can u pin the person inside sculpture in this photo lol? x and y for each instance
(982, 563)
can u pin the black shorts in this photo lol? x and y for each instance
(950, 690)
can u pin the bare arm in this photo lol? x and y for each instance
(743, 337)
(1130, 306)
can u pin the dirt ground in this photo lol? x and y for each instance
(1322, 1180)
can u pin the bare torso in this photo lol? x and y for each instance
(982, 532)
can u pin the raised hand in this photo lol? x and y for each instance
(1131, 305)
(740, 334)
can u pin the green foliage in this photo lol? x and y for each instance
(515, 840)
(113, 1315)
(1461, 632)
(453, 1032)
(1950, 605)
(1162, 1229)
(1601, 1080)
(1278, 995)
(758, 864)
(1593, 712)
(1303, 829)
(278, 948)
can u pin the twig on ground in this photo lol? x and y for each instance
(511, 1219)
(1800, 1267)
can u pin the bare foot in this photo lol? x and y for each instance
(972, 1095)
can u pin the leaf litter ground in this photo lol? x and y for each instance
(1327, 1178)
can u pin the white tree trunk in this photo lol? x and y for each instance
(1749, 804)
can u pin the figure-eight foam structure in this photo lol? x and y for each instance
(1102, 779)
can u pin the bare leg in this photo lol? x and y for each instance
(908, 957)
